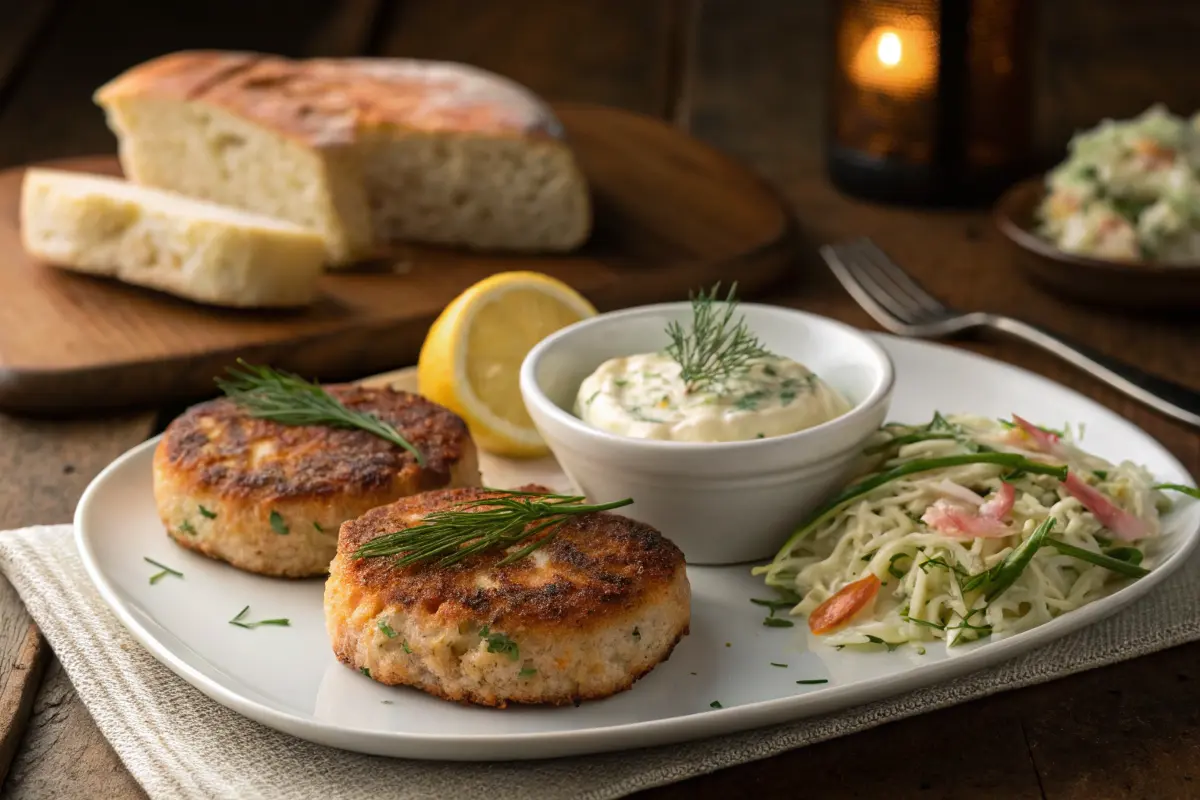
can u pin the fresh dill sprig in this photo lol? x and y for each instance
(717, 347)
(476, 526)
(290, 400)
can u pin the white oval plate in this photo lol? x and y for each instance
(288, 679)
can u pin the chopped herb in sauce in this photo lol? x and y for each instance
(750, 400)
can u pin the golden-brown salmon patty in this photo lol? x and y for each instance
(269, 498)
(580, 618)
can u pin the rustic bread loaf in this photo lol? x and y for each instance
(369, 152)
(190, 248)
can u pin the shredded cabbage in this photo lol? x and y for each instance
(923, 571)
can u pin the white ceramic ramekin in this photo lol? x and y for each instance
(724, 502)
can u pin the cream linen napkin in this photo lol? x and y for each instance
(180, 744)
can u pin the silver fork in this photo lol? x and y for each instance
(898, 303)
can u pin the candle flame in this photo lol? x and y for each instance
(889, 49)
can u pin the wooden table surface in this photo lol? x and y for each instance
(747, 77)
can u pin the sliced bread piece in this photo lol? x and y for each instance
(190, 248)
(370, 152)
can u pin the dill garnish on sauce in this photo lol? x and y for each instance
(717, 346)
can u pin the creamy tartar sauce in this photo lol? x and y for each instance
(643, 397)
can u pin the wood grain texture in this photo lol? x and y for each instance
(1101, 58)
(756, 89)
(50, 113)
(20, 25)
(64, 755)
(613, 52)
(1124, 731)
(45, 467)
(24, 655)
(671, 214)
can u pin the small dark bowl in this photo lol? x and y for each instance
(1092, 280)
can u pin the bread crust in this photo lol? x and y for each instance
(591, 611)
(269, 498)
(332, 102)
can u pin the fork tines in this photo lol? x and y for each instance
(880, 286)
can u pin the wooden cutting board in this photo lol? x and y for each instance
(671, 215)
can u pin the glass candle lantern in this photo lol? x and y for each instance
(930, 100)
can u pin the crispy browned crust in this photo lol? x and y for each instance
(185, 74)
(468, 698)
(599, 566)
(330, 101)
(222, 451)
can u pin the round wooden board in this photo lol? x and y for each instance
(671, 215)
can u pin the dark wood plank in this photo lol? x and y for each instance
(24, 654)
(1128, 730)
(1103, 58)
(50, 113)
(1124, 731)
(64, 755)
(601, 51)
(46, 465)
(20, 25)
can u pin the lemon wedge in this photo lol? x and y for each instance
(471, 359)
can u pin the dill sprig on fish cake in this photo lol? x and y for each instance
(477, 526)
(290, 400)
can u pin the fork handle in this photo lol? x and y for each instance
(1166, 397)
